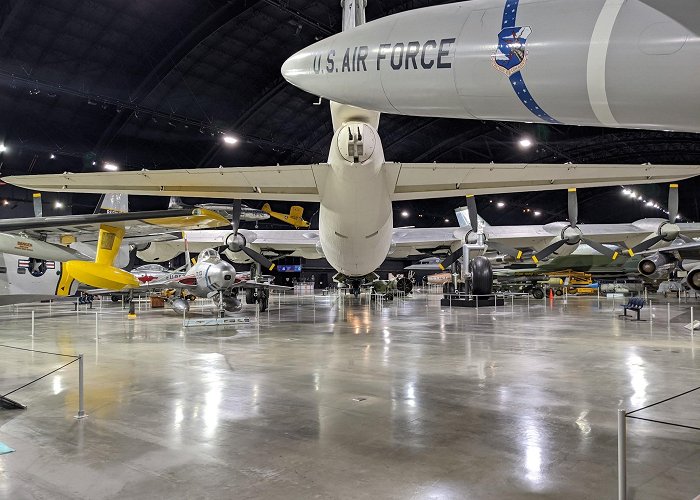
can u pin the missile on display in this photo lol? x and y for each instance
(611, 63)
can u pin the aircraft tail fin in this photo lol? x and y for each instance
(462, 214)
(101, 273)
(266, 208)
(175, 202)
(112, 203)
(353, 13)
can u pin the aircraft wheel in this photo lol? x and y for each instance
(538, 293)
(448, 288)
(264, 301)
(559, 292)
(482, 276)
(250, 296)
(115, 298)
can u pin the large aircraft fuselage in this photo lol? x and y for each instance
(355, 217)
(613, 63)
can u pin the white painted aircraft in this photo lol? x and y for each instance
(611, 63)
(355, 188)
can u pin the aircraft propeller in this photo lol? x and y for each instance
(236, 242)
(571, 234)
(665, 235)
(474, 223)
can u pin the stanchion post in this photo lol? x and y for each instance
(621, 454)
(81, 395)
(692, 322)
(32, 322)
(668, 313)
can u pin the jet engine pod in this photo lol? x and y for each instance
(180, 306)
(654, 265)
(693, 278)
(356, 142)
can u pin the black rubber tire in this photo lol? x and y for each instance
(538, 293)
(250, 296)
(482, 276)
(116, 298)
(558, 292)
(264, 301)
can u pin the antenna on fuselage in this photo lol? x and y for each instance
(353, 13)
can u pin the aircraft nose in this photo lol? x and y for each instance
(292, 69)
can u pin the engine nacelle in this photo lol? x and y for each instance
(656, 265)
(693, 278)
(180, 306)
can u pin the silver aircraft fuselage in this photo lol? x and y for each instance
(612, 63)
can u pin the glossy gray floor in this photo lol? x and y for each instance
(343, 400)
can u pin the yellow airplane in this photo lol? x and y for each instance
(294, 217)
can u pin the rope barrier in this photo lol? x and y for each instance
(665, 400)
(43, 376)
(666, 423)
(42, 352)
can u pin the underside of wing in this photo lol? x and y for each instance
(136, 224)
(440, 180)
(289, 182)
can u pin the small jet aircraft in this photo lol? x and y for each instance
(609, 63)
(212, 277)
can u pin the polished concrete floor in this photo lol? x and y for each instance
(327, 398)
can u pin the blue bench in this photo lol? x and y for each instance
(635, 304)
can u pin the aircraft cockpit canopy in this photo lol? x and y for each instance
(209, 254)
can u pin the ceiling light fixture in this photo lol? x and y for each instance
(111, 167)
(3, 148)
(404, 214)
(525, 143)
(500, 204)
(230, 140)
(58, 204)
(537, 213)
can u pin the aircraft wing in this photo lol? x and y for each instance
(265, 284)
(439, 180)
(136, 224)
(288, 182)
(683, 251)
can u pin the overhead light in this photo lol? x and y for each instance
(111, 167)
(5, 202)
(230, 140)
(58, 204)
(53, 156)
(94, 163)
(626, 191)
(650, 203)
(447, 221)
(525, 143)
(500, 204)
(537, 213)
(404, 214)
(3, 148)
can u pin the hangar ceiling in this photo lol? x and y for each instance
(152, 84)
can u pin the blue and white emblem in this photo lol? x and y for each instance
(511, 54)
